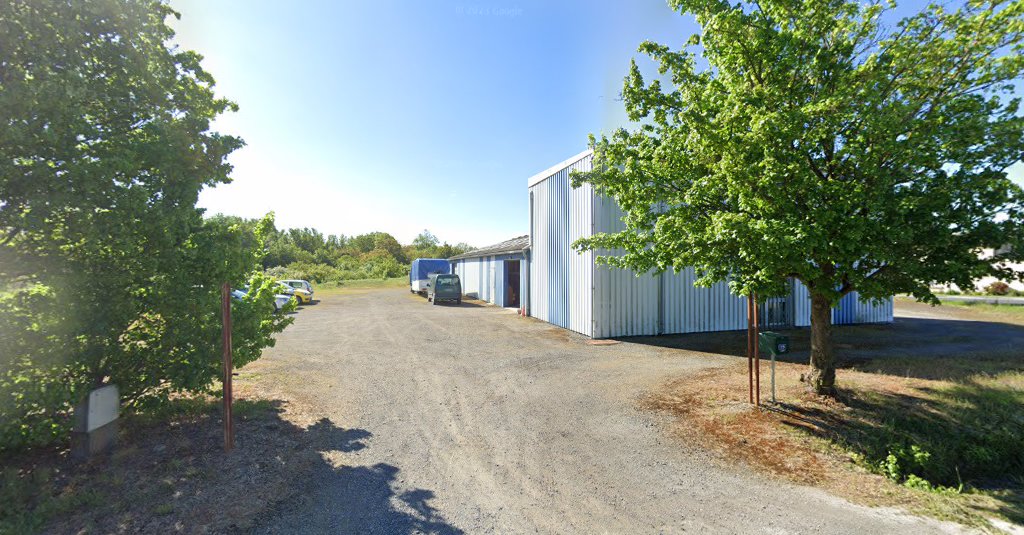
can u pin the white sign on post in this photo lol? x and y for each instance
(103, 407)
(96, 423)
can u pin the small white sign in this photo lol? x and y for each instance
(103, 407)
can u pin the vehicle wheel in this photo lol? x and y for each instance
(435, 300)
(458, 302)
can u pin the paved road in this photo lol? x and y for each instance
(992, 300)
(471, 419)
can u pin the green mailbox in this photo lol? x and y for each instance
(773, 344)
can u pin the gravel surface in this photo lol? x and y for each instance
(472, 419)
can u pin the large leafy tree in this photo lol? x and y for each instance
(827, 142)
(109, 272)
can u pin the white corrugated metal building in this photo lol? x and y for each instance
(569, 289)
(494, 273)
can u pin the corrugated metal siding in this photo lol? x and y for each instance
(624, 304)
(469, 273)
(689, 309)
(567, 289)
(484, 278)
(561, 279)
(851, 309)
(801, 305)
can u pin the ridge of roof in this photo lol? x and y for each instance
(514, 245)
(546, 174)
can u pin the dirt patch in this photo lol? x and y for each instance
(170, 473)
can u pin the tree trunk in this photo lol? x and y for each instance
(822, 377)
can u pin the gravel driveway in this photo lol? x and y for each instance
(472, 419)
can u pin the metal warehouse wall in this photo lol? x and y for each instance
(624, 304)
(561, 278)
(627, 305)
(567, 288)
(689, 309)
(469, 271)
(850, 310)
(483, 278)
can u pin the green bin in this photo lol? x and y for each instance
(772, 343)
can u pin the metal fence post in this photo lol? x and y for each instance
(225, 311)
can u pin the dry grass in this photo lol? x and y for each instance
(358, 286)
(1008, 313)
(827, 443)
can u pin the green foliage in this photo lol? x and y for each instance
(317, 273)
(32, 499)
(307, 254)
(812, 140)
(964, 433)
(115, 275)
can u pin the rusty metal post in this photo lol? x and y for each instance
(225, 312)
(750, 351)
(757, 356)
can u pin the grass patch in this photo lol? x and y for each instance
(31, 498)
(947, 448)
(359, 285)
(989, 308)
(937, 434)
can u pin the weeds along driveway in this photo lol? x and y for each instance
(477, 420)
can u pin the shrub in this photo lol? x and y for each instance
(998, 288)
(309, 271)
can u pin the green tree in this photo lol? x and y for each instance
(115, 276)
(385, 242)
(362, 243)
(425, 241)
(307, 239)
(811, 140)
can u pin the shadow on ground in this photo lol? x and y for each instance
(907, 347)
(170, 473)
(352, 499)
(965, 434)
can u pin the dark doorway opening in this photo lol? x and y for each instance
(512, 283)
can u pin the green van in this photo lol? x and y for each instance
(444, 287)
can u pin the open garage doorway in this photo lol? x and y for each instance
(512, 283)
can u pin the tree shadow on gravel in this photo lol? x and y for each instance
(337, 498)
(169, 473)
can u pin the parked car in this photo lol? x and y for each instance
(444, 288)
(280, 300)
(300, 294)
(299, 284)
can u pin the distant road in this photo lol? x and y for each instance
(992, 300)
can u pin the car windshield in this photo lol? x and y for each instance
(447, 282)
(295, 284)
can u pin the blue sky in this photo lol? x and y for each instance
(419, 114)
(405, 115)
